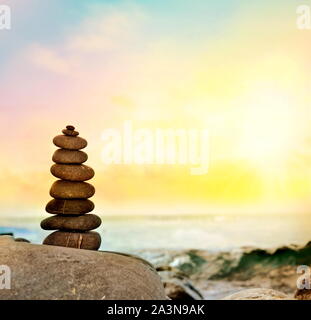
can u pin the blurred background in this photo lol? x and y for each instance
(240, 69)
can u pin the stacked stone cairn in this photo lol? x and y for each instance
(71, 194)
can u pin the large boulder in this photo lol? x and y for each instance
(50, 272)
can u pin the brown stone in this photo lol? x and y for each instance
(81, 240)
(72, 172)
(67, 132)
(21, 240)
(69, 207)
(85, 222)
(71, 190)
(70, 142)
(69, 156)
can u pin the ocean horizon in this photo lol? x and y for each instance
(205, 232)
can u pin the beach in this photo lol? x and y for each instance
(217, 255)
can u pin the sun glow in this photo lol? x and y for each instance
(244, 77)
(270, 127)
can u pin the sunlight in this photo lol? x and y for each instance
(269, 127)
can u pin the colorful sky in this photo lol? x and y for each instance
(239, 68)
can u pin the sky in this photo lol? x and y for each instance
(240, 69)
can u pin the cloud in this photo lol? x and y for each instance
(118, 63)
(48, 59)
(105, 32)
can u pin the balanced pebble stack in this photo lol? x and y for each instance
(71, 194)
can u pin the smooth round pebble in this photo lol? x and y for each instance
(85, 222)
(64, 156)
(70, 142)
(72, 172)
(81, 240)
(71, 190)
(69, 207)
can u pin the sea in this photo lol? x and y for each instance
(207, 232)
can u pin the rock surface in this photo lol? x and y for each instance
(79, 240)
(258, 294)
(177, 285)
(69, 156)
(72, 172)
(69, 207)
(219, 274)
(58, 273)
(71, 190)
(176, 289)
(303, 294)
(61, 222)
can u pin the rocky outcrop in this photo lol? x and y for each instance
(218, 274)
(177, 289)
(177, 285)
(258, 294)
(60, 273)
